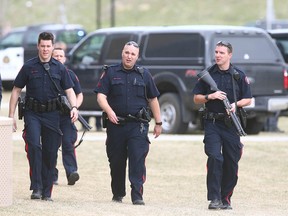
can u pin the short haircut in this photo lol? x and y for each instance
(58, 48)
(46, 36)
(226, 44)
(133, 43)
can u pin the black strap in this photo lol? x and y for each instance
(141, 71)
(233, 77)
(81, 140)
(47, 68)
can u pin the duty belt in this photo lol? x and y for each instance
(130, 118)
(36, 106)
(214, 116)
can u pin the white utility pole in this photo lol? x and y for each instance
(270, 15)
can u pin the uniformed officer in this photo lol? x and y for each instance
(124, 93)
(68, 128)
(42, 133)
(222, 144)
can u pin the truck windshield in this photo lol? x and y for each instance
(89, 51)
(282, 44)
(12, 40)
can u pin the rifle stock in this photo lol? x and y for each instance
(205, 76)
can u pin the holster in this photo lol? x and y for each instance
(144, 113)
(228, 121)
(242, 116)
(21, 108)
(104, 119)
(202, 112)
(64, 105)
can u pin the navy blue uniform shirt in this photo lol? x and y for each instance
(223, 80)
(126, 91)
(37, 81)
(77, 87)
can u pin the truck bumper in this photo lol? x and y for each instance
(269, 104)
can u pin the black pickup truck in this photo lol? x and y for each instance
(174, 56)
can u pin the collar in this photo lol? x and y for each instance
(130, 70)
(215, 69)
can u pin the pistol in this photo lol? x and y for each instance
(21, 108)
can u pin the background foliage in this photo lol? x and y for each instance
(137, 12)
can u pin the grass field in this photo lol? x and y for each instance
(175, 185)
(137, 12)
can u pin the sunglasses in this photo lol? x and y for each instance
(226, 44)
(133, 43)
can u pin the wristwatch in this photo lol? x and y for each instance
(158, 123)
(206, 97)
(74, 107)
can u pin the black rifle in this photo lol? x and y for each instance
(205, 76)
(64, 103)
(67, 106)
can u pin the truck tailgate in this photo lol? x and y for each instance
(265, 79)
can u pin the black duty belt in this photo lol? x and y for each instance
(214, 116)
(36, 106)
(130, 118)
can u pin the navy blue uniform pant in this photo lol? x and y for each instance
(42, 137)
(68, 151)
(127, 141)
(224, 150)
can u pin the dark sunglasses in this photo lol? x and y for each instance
(224, 43)
(133, 43)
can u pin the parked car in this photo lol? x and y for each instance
(174, 55)
(20, 44)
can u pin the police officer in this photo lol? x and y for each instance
(123, 91)
(42, 133)
(222, 144)
(68, 128)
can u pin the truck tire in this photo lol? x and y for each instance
(254, 126)
(170, 107)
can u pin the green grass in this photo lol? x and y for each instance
(139, 12)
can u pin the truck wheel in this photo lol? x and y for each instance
(170, 107)
(253, 126)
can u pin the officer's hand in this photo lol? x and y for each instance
(112, 117)
(233, 108)
(157, 131)
(217, 95)
(14, 125)
(74, 114)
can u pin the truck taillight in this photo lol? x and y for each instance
(285, 78)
